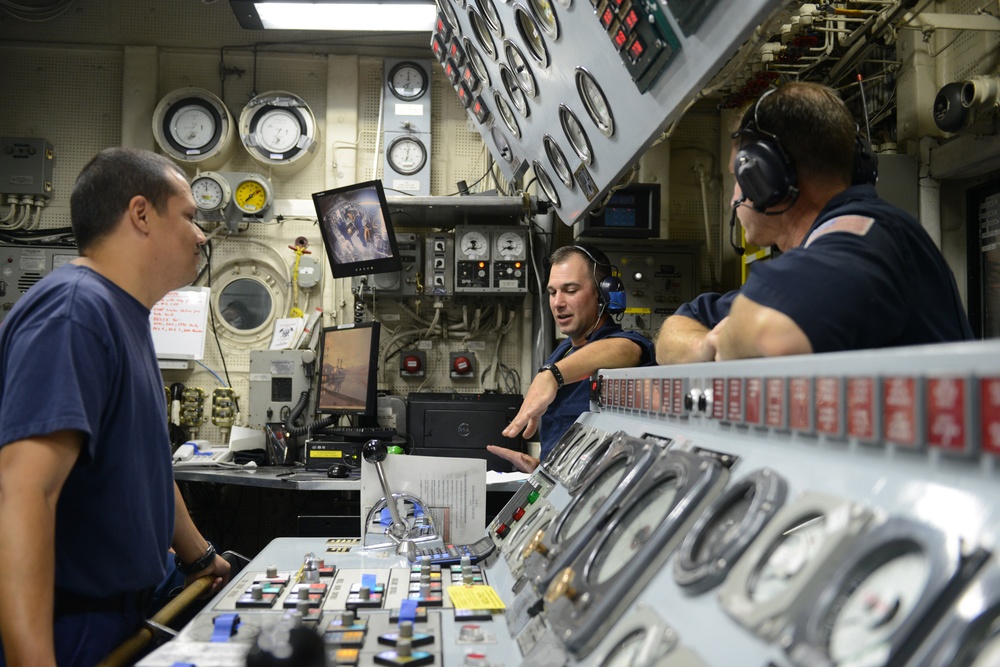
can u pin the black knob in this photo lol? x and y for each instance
(374, 451)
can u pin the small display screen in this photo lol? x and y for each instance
(632, 212)
(357, 230)
(348, 369)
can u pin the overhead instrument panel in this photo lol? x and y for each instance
(582, 88)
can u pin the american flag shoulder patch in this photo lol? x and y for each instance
(853, 224)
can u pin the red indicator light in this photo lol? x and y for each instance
(606, 18)
(631, 18)
(517, 265)
(619, 39)
(636, 50)
(482, 265)
(518, 513)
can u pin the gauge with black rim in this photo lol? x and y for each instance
(876, 596)
(477, 61)
(406, 155)
(531, 35)
(503, 146)
(513, 87)
(193, 125)
(575, 134)
(481, 31)
(595, 102)
(558, 161)
(489, 11)
(724, 531)
(519, 65)
(507, 114)
(546, 184)
(545, 14)
(407, 80)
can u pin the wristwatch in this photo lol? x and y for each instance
(552, 368)
(199, 564)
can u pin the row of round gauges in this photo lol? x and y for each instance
(214, 191)
(472, 244)
(278, 129)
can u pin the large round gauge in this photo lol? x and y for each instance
(641, 639)
(531, 35)
(279, 128)
(587, 459)
(406, 155)
(253, 194)
(724, 531)
(481, 31)
(575, 133)
(503, 146)
(546, 184)
(520, 67)
(558, 161)
(477, 62)
(192, 125)
(211, 191)
(473, 244)
(591, 499)
(512, 85)
(407, 80)
(507, 114)
(489, 11)
(509, 245)
(875, 598)
(545, 14)
(595, 102)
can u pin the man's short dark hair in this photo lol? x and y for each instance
(815, 129)
(599, 271)
(108, 183)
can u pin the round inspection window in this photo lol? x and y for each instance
(245, 304)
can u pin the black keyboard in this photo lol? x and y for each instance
(357, 433)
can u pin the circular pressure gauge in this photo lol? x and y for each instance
(641, 639)
(591, 499)
(586, 460)
(595, 102)
(724, 531)
(545, 14)
(489, 11)
(510, 245)
(253, 194)
(546, 183)
(279, 129)
(407, 81)
(407, 155)
(211, 191)
(575, 133)
(518, 65)
(192, 125)
(531, 35)
(500, 141)
(477, 61)
(564, 447)
(449, 14)
(481, 31)
(558, 161)
(473, 244)
(507, 114)
(512, 85)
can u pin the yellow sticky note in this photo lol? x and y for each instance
(482, 598)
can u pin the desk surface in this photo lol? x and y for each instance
(273, 477)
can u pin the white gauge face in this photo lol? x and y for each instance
(627, 650)
(595, 102)
(558, 161)
(525, 79)
(872, 606)
(192, 126)
(633, 530)
(723, 529)
(278, 131)
(510, 245)
(209, 193)
(797, 546)
(407, 155)
(474, 245)
(407, 81)
(596, 494)
(576, 135)
(546, 15)
(513, 87)
(532, 36)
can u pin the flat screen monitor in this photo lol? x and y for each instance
(357, 230)
(348, 370)
(632, 212)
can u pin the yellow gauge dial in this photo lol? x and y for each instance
(252, 195)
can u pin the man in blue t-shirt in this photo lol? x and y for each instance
(855, 272)
(580, 297)
(88, 504)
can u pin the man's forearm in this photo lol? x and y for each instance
(681, 340)
(188, 541)
(604, 353)
(759, 331)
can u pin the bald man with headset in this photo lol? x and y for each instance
(584, 297)
(855, 272)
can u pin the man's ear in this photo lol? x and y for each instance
(138, 211)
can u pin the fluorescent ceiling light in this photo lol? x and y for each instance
(356, 15)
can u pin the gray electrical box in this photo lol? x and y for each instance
(21, 266)
(397, 283)
(277, 380)
(439, 258)
(26, 167)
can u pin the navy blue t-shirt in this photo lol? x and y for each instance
(76, 353)
(866, 276)
(573, 399)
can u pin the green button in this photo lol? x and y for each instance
(394, 449)
(533, 496)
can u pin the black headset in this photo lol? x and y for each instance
(765, 173)
(610, 290)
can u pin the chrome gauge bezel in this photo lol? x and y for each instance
(588, 459)
(521, 68)
(545, 16)
(225, 191)
(531, 34)
(492, 17)
(558, 161)
(481, 31)
(476, 59)
(605, 121)
(580, 620)
(698, 567)
(844, 522)
(506, 114)
(643, 624)
(548, 187)
(448, 12)
(814, 624)
(512, 85)
(576, 135)
(502, 144)
(566, 444)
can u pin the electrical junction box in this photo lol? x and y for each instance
(21, 266)
(397, 283)
(26, 167)
(277, 380)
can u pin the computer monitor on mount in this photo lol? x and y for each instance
(357, 230)
(348, 372)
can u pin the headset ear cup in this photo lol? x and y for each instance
(865, 163)
(764, 174)
(612, 295)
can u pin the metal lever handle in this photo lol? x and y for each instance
(375, 452)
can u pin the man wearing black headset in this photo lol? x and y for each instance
(584, 297)
(855, 272)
